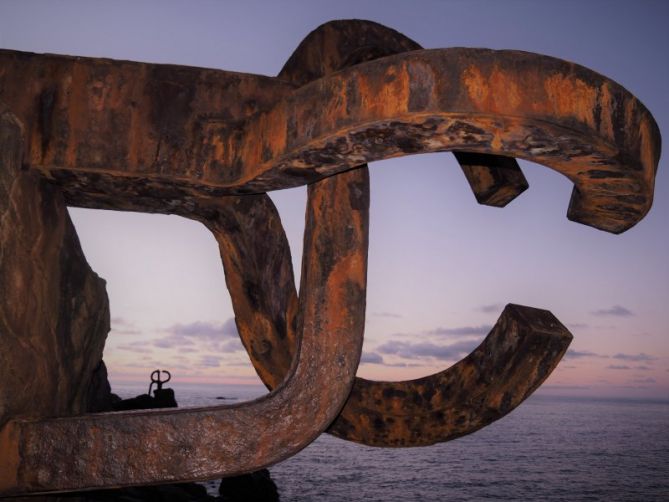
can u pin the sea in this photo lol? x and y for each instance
(548, 449)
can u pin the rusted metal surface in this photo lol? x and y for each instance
(181, 133)
(522, 349)
(259, 275)
(340, 44)
(207, 144)
(495, 180)
(420, 412)
(130, 448)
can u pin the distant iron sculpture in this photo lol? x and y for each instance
(207, 144)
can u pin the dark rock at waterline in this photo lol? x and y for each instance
(183, 492)
(162, 398)
(100, 396)
(257, 486)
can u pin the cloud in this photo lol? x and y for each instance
(580, 354)
(641, 357)
(643, 380)
(209, 362)
(616, 310)
(205, 336)
(138, 350)
(371, 358)
(168, 343)
(232, 346)
(642, 368)
(462, 331)
(206, 330)
(492, 308)
(139, 347)
(577, 325)
(564, 387)
(618, 367)
(422, 350)
(387, 314)
(121, 326)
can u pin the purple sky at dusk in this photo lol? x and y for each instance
(441, 267)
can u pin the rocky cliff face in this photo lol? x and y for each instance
(54, 312)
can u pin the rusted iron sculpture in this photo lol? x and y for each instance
(206, 144)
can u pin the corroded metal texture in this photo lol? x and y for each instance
(131, 448)
(522, 349)
(182, 133)
(418, 413)
(206, 144)
(495, 180)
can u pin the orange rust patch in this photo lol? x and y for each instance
(504, 91)
(477, 86)
(571, 97)
(648, 159)
(9, 457)
(606, 118)
(383, 97)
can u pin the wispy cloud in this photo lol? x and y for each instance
(641, 357)
(616, 310)
(422, 350)
(564, 387)
(403, 365)
(581, 354)
(462, 331)
(492, 308)
(139, 347)
(371, 358)
(232, 346)
(209, 362)
(387, 314)
(209, 336)
(202, 330)
(577, 325)
(122, 326)
(643, 380)
(168, 343)
(138, 350)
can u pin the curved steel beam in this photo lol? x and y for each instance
(182, 133)
(503, 102)
(130, 448)
(185, 136)
(414, 413)
(333, 46)
(522, 349)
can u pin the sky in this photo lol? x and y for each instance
(441, 267)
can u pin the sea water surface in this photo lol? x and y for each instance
(549, 448)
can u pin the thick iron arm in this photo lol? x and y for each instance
(130, 448)
(181, 133)
(182, 138)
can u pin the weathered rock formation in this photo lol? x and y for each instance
(54, 317)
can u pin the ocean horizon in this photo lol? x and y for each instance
(558, 448)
